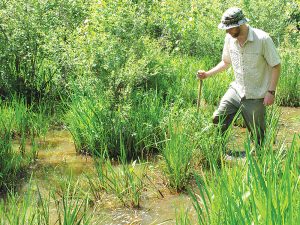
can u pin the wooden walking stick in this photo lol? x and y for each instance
(199, 94)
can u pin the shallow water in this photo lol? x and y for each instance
(154, 211)
(58, 160)
(59, 152)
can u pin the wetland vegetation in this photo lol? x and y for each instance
(99, 123)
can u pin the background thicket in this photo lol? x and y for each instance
(48, 47)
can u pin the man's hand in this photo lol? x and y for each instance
(201, 74)
(269, 99)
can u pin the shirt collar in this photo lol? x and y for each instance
(250, 34)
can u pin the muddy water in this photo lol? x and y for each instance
(58, 160)
(154, 211)
(58, 151)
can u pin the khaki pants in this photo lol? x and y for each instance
(252, 110)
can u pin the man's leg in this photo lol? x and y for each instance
(224, 121)
(224, 115)
(254, 112)
(228, 107)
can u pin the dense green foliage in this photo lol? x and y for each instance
(123, 71)
(34, 46)
(119, 66)
(46, 46)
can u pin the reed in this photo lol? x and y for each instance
(289, 84)
(261, 191)
(125, 181)
(96, 123)
(71, 207)
(177, 154)
(20, 210)
(182, 217)
(21, 125)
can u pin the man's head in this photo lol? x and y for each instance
(231, 20)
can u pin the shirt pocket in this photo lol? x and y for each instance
(252, 60)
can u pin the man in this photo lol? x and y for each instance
(256, 65)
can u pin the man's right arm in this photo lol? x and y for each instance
(217, 69)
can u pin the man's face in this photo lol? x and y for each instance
(234, 32)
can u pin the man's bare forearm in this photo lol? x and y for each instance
(218, 68)
(274, 77)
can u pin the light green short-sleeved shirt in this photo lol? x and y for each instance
(252, 63)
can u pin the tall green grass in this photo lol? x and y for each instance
(289, 82)
(21, 125)
(64, 206)
(10, 165)
(191, 142)
(263, 189)
(125, 180)
(177, 154)
(95, 125)
(71, 207)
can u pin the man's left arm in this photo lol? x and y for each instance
(270, 96)
(272, 57)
